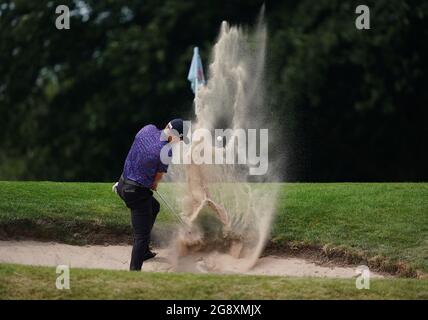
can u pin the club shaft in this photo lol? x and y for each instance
(170, 208)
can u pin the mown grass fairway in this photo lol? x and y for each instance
(377, 220)
(25, 282)
(389, 220)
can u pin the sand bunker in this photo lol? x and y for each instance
(117, 257)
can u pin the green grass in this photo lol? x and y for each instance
(388, 220)
(26, 282)
(74, 213)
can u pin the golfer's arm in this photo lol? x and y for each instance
(158, 177)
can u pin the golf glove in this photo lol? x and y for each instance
(114, 188)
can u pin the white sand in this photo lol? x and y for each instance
(117, 257)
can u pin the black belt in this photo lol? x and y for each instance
(131, 182)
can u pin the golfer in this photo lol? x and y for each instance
(142, 172)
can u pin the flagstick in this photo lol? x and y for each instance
(195, 101)
(196, 94)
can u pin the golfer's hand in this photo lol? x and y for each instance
(114, 188)
(158, 177)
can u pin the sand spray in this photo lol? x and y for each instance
(228, 210)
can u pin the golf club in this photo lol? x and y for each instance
(171, 209)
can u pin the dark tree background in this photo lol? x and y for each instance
(353, 105)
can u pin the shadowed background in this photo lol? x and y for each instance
(352, 104)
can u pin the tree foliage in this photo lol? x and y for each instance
(352, 104)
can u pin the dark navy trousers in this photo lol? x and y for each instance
(144, 210)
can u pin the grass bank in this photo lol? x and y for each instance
(27, 282)
(385, 224)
